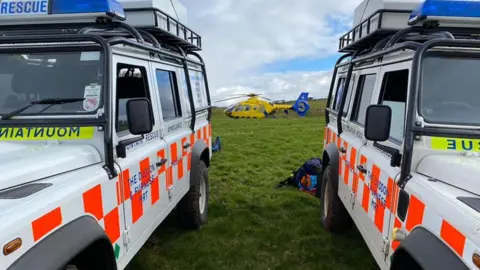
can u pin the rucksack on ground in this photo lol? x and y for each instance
(305, 177)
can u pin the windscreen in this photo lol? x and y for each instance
(450, 90)
(25, 78)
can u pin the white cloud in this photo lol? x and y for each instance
(239, 36)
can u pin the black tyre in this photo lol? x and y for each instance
(335, 217)
(193, 208)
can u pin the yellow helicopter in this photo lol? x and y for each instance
(254, 107)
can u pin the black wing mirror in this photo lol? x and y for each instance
(377, 123)
(140, 122)
(140, 116)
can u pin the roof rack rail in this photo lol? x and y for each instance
(165, 28)
(373, 29)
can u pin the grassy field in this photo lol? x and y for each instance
(253, 225)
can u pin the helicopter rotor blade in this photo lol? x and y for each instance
(230, 98)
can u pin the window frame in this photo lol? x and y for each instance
(144, 72)
(342, 77)
(72, 49)
(175, 94)
(381, 95)
(359, 92)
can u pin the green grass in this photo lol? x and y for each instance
(253, 225)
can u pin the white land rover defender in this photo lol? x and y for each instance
(402, 139)
(104, 130)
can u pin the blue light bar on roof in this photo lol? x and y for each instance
(51, 8)
(449, 10)
(110, 7)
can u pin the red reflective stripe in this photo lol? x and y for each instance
(454, 238)
(415, 213)
(46, 223)
(92, 202)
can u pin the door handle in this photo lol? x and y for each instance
(343, 150)
(362, 169)
(187, 145)
(162, 162)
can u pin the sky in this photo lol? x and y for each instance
(281, 47)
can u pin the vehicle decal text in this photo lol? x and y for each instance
(46, 133)
(455, 144)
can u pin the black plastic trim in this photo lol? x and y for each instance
(428, 251)
(472, 202)
(332, 86)
(198, 149)
(23, 191)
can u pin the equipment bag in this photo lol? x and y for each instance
(305, 177)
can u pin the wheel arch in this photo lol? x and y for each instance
(74, 238)
(331, 156)
(200, 152)
(427, 251)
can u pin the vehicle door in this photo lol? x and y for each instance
(378, 177)
(360, 204)
(349, 144)
(140, 183)
(177, 133)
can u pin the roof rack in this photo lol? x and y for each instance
(164, 27)
(378, 26)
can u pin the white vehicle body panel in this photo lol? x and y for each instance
(438, 179)
(77, 184)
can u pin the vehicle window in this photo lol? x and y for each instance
(254, 108)
(132, 83)
(338, 94)
(169, 96)
(449, 91)
(363, 98)
(247, 108)
(239, 108)
(347, 100)
(394, 94)
(33, 76)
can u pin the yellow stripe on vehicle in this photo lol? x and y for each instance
(455, 144)
(46, 133)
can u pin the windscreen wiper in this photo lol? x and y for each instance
(46, 101)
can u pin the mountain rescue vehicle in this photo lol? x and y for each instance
(104, 130)
(402, 140)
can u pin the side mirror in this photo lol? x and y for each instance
(377, 123)
(140, 122)
(140, 116)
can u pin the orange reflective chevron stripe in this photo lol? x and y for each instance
(453, 237)
(379, 208)
(126, 185)
(145, 172)
(46, 223)
(189, 161)
(396, 225)
(346, 171)
(169, 181)
(415, 213)
(112, 225)
(353, 158)
(366, 197)
(161, 156)
(155, 190)
(363, 162)
(92, 202)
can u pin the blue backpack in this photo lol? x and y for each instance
(305, 177)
